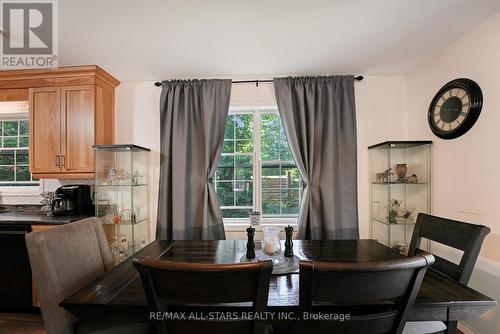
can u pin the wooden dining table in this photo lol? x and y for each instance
(119, 295)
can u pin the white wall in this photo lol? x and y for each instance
(380, 112)
(380, 104)
(466, 183)
(466, 178)
(138, 122)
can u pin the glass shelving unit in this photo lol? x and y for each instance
(400, 177)
(121, 193)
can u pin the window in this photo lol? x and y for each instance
(256, 170)
(14, 162)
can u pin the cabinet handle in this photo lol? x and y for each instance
(63, 160)
(58, 160)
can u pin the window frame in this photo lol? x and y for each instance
(257, 111)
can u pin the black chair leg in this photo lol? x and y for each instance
(451, 327)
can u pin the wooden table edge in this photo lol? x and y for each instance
(77, 301)
(87, 291)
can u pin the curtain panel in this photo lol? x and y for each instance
(319, 118)
(193, 120)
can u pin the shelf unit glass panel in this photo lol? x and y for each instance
(400, 177)
(121, 185)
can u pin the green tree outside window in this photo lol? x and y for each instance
(280, 188)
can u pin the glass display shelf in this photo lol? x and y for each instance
(400, 188)
(407, 184)
(124, 221)
(401, 222)
(121, 192)
(122, 185)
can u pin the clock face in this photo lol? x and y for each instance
(455, 108)
(452, 109)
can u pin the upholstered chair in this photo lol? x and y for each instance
(63, 260)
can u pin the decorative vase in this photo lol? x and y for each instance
(401, 170)
(271, 240)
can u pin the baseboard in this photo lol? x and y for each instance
(489, 266)
(465, 329)
(485, 279)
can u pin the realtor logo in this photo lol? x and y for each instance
(29, 34)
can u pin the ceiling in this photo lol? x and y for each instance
(164, 39)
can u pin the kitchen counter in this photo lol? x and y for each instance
(36, 217)
(16, 286)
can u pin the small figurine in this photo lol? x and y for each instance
(288, 241)
(407, 213)
(392, 216)
(413, 178)
(111, 175)
(250, 243)
(394, 206)
(384, 176)
(401, 247)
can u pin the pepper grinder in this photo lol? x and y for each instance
(288, 242)
(250, 243)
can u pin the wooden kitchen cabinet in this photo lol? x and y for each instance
(71, 109)
(62, 129)
(45, 137)
(77, 129)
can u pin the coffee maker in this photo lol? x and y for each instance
(72, 200)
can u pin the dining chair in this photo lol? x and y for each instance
(364, 297)
(170, 284)
(63, 260)
(465, 237)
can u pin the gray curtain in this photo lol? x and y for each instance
(319, 117)
(193, 121)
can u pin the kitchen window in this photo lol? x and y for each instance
(14, 142)
(256, 171)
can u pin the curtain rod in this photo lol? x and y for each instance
(256, 82)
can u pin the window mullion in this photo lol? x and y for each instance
(234, 163)
(257, 162)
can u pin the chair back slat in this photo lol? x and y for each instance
(459, 235)
(170, 284)
(444, 266)
(376, 295)
(375, 324)
(192, 288)
(369, 286)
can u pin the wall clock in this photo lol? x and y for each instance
(455, 108)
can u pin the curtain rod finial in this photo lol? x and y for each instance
(157, 83)
(359, 77)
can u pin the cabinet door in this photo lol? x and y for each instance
(45, 130)
(78, 105)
